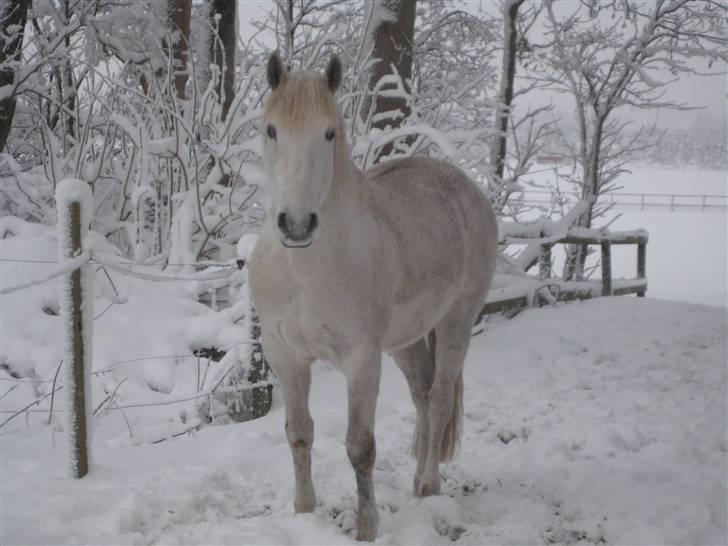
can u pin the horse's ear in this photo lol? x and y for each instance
(275, 71)
(333, 74)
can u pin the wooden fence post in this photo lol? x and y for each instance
(606, 268)
(544, 260)
(74, 205)
(544, 263)
(641, 264)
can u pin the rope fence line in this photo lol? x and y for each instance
(673, 201)
(124, 268)
(134, 264)
(223, 271)
(212, 392)
(74, 205)
(113, 366)
(63, 268)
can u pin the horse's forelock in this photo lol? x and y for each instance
(301, 98)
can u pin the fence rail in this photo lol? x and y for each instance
(519, 292)
(665, 201)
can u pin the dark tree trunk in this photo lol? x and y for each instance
(13, 14)
(179, 14)
(68, 82)
(505, 97)
(222, 49)
(391, 43)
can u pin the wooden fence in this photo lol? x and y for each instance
(511, 292)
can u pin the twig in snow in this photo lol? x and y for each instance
(34, 403)
(109, 398)
(11, 389)
(53, 390)
(187, 431)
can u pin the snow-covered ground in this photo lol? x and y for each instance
(597, 422)
(602, 421)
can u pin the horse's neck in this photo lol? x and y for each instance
(347, 191)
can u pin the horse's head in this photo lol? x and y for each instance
(300, 133)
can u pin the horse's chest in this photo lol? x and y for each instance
(315, 325)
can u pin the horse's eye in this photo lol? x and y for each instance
(330, 134)
(271, 132)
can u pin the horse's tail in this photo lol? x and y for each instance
(453, 430)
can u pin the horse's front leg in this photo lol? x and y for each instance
(294, 376)
(363, 368)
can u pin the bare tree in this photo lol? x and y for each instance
(301, 25)
(526, 132)
(13, 15)
(610, 55)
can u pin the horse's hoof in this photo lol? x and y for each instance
(304, 506)
(366, 534)
(426, 489)
(367, 523)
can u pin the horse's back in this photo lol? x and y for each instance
(443, 231)
(441, 199)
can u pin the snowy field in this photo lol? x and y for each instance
(597, 422)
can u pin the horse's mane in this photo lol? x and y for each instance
(300, 97)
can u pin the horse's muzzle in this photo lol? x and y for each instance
(297, 234)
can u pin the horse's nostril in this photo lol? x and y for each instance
(282, 223)
(313, 222)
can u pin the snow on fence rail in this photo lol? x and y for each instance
(669, 201)
(512, 292)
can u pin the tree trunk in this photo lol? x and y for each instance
(505, 95)
(179, 14)
(68, 84)
(389, 38)
(13, 14)
(290, 31)
(222, 49)
(577, 254)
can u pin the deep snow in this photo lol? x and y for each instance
(600, 421)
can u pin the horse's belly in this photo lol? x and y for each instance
(414, 319)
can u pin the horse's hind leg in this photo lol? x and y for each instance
(295, 381)
(418, 367)
(445, 396)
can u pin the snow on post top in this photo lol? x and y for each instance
(73, 190)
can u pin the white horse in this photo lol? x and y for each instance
(350, 264)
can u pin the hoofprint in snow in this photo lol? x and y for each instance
(596, 422)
